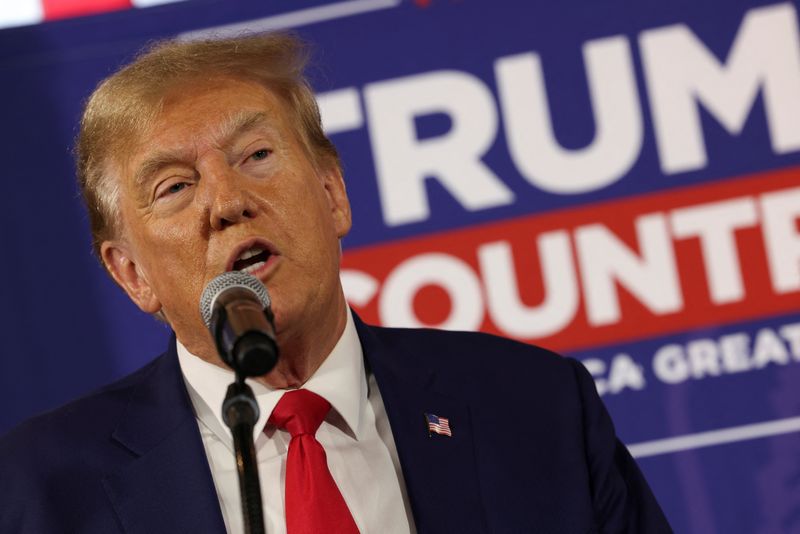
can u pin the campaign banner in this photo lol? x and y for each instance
(616, 182)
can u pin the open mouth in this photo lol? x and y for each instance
(251, 259)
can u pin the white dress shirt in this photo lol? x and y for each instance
(358, 441)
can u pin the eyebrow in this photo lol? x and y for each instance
(235, 125)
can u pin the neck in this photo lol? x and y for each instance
(302, 353)
(302, 348)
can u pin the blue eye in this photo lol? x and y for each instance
(173, 189)
(176, 188)
(259, 155)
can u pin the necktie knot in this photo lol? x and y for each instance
(300, 412)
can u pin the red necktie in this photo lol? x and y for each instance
(314, 504)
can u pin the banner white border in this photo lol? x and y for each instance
(714, 437)
(292, 19)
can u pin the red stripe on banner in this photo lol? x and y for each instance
(621, 270)
(62, 9)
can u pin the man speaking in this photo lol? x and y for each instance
(205, 157)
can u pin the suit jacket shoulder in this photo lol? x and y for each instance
(466, 360)
(533, 448)
(126, 458)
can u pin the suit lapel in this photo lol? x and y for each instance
(440, 471)
(167, 485)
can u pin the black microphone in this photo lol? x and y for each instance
(236, 309)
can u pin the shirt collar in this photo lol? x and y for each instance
(341, 380)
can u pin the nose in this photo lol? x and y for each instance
(229, 202)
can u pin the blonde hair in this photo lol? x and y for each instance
(125, 105)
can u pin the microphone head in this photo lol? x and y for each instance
(226, 281)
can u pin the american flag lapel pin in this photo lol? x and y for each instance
(438, 425)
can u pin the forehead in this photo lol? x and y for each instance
(215, 106)
(205, 113)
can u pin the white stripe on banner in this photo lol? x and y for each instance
(149, 3)
(20, 12)
(293, 19)
(715, 437)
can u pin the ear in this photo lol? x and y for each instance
(337, 199)
(118, 260)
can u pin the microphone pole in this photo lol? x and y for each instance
(236, 308)
(240, 413)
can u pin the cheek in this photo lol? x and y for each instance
(177, 236)
(174, 233)
(176, 262)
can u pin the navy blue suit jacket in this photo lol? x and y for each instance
(532, 450)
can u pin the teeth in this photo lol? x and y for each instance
(249, 269)
(255, 251)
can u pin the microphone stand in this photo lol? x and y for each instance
(243, 329)
(240, 413)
